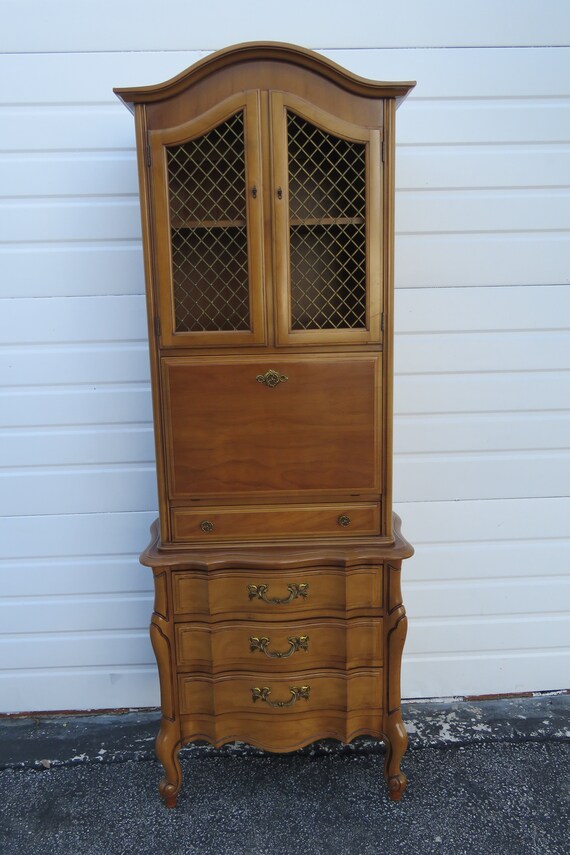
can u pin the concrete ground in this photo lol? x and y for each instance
(488, 777)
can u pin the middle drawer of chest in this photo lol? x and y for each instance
(255, 646)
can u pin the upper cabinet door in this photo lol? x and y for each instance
(207, 195)
(327, 198)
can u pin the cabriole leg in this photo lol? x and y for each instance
(167, 748)
(396, 741)
(168, 740)
(395, 736)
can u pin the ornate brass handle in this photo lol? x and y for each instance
(295, 590)
(343, 520)
(297, 692)
(271, 378)
(296, 642)
(207, 526)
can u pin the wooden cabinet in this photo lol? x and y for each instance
(267, 183)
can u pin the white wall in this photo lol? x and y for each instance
(482, 435)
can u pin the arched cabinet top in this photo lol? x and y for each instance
(265, 53)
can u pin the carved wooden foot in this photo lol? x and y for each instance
(396, 786)
(396, 741)
(167, 748)
(169, 801)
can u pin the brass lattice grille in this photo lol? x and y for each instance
(327, 209)
(328, 277)
(206, 181)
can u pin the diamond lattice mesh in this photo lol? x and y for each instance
(206, 182)
(327, 207)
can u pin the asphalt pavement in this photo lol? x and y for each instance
(486, 777)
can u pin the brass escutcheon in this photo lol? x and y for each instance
(297, 692)
(296, 642)
(271, 378)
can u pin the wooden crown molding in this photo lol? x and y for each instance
(263, 52)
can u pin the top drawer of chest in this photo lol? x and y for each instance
(277, 594)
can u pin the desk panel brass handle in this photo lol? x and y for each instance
(207, 526)
(271, 378)
(296, 642)
(343, 520)
(297, 692)
(259, 592)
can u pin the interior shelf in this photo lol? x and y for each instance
(326, 221)
(208, 224)
(241, 224)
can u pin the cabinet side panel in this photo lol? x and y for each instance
(388, 348)
(152, 311)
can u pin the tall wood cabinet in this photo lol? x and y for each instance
(267, 192)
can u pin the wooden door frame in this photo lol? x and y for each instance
(158, 140)
(372, 138)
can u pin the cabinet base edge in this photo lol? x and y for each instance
(219, 733)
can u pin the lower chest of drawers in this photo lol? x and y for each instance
(278, 657)
(305, 646)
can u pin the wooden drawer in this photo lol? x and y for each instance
(279, 647)
(277, 595)
(291, 521)
(268, 694)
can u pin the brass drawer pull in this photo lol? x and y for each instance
(343, 520)
(207, 526)
(271, 378)
(297, 692)
(295, 590)
(296, 642)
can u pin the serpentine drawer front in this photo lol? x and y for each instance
(263, 694)
(267, 195)
(279, 647)
(277, 595)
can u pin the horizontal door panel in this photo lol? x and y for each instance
(285, 425)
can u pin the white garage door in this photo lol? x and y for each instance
(482, 428)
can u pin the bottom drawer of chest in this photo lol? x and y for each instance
(281, 696)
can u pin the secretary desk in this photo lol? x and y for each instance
(267, 197)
